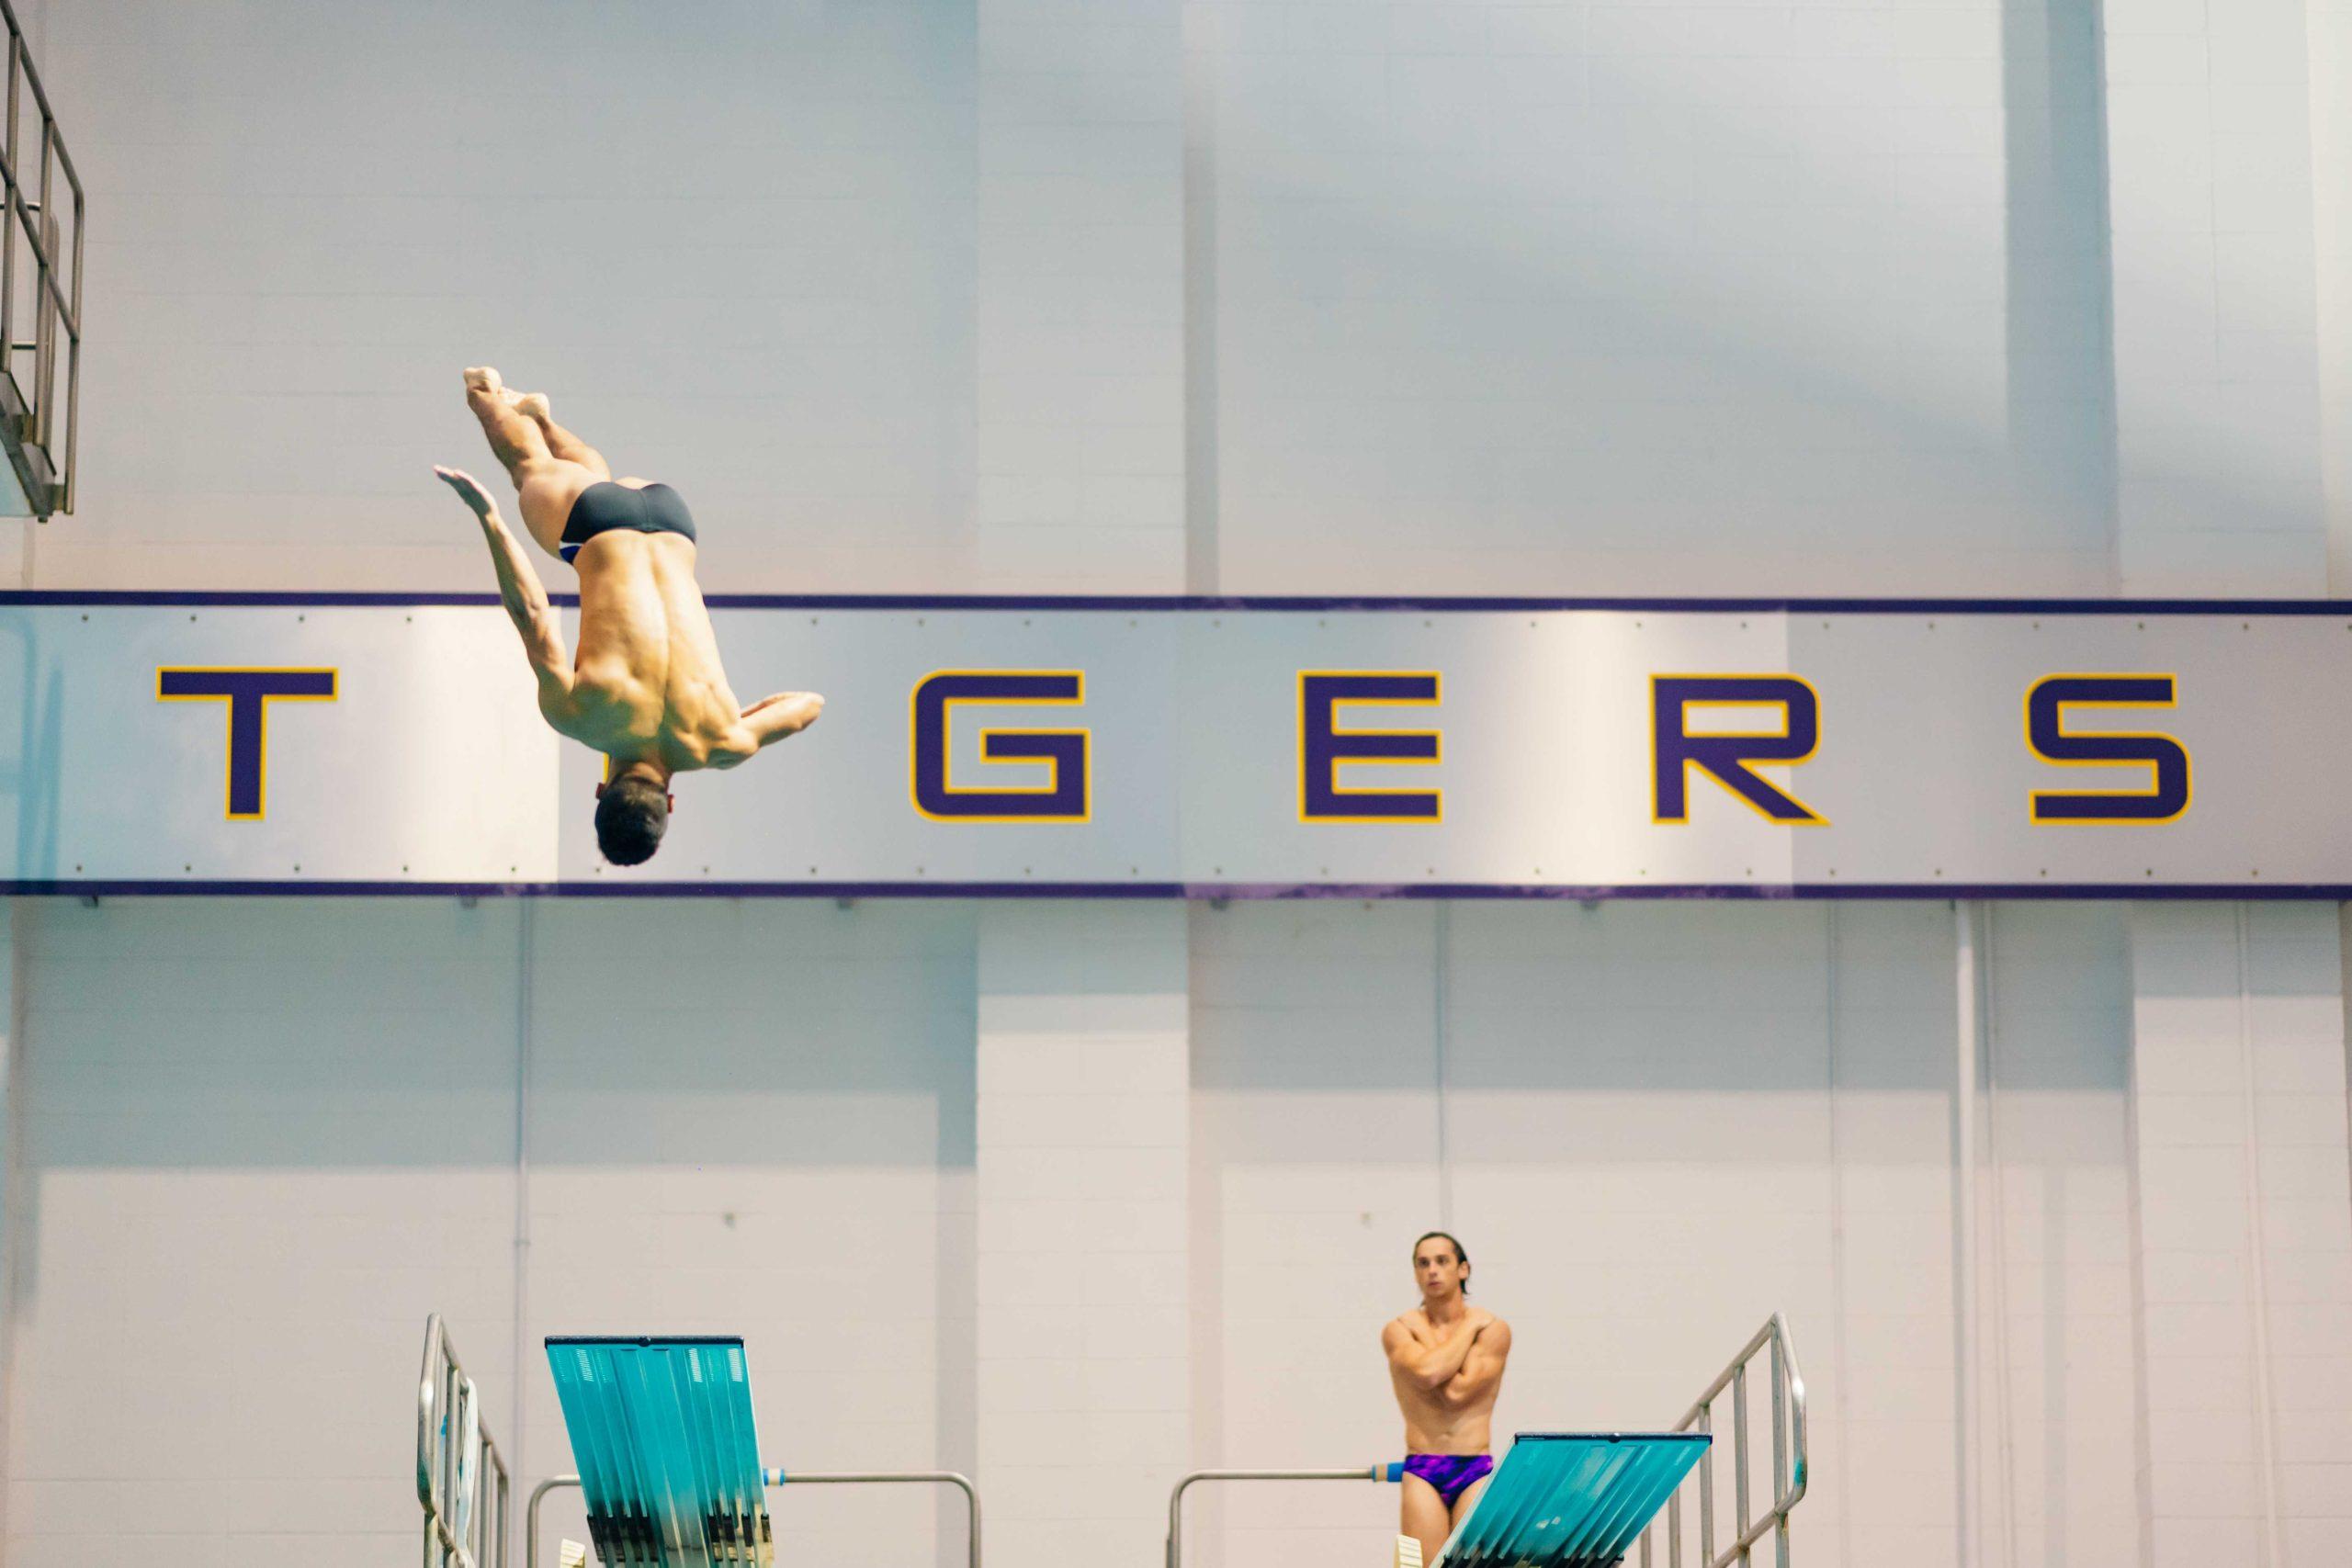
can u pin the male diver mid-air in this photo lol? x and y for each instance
(646, 689)
(1445, 1362)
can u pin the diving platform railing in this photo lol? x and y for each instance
(460, 1478)
(1394, 1472)
(38, 433)
(1790, 1468)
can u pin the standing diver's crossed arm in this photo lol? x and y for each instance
(1483, 1367)
(524, 598)
(1433, 1363)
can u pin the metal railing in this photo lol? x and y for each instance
(455, 1457)
(41, 445)
(1176, 1498)
(1789, 1463)
(793, 1478)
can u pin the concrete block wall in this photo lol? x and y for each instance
(780, 1146)
(1080, 201)
(1654, 298)
(2244, 1244)
(1565, 297)
(261, 1145)
(1084, 1335)
(1062, 1194)
(735, 242)
(2329, 23)
(2218, 409)
(2055, 1297)
(264, 1140)
(1595, 298)
(1660, 1124)
(1888, 1373)
(1647, 298)
(1314, 1167)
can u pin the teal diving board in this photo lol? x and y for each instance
(1572, 1500)
(668, 1453)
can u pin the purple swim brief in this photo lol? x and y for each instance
(1452, 1474)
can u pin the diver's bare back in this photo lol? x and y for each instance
(647, 681)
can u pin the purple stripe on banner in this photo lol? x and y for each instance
(1165, 603)
(2260, 892)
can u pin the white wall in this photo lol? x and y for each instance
(757, 1119)
(1548, 297)
(2245, 1254)
(2218, 408)
(265, 1140)
(1545, 297)
(2057, 1234)
(2330, 26)
(734, 240)
(1314, 1163)
(262, 1140)
(1661, 1124)
(1082, 1416)
(1551, 297)
(1658, 297)
(240, 1132)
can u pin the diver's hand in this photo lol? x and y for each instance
(469, 490)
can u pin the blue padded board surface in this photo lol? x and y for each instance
(669, 1458)
(1570, 1500)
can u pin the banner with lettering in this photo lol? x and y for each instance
(1157, 748)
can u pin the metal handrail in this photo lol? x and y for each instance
(1790, 1469)
(1392, 1472)
(784, 1478)
(456, 1527)
(49, 484)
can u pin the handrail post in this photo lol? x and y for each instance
(531, 1515)
(1779, 1456)
(8, 255)
(74, 360)
(1176, 1498)
(44, 303)
(1739, 1453)
(1707, 1491)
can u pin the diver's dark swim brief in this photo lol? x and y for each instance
(1452, 1474)
(605, 506)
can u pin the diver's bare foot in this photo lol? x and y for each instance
(532, 405)
(482, 378)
